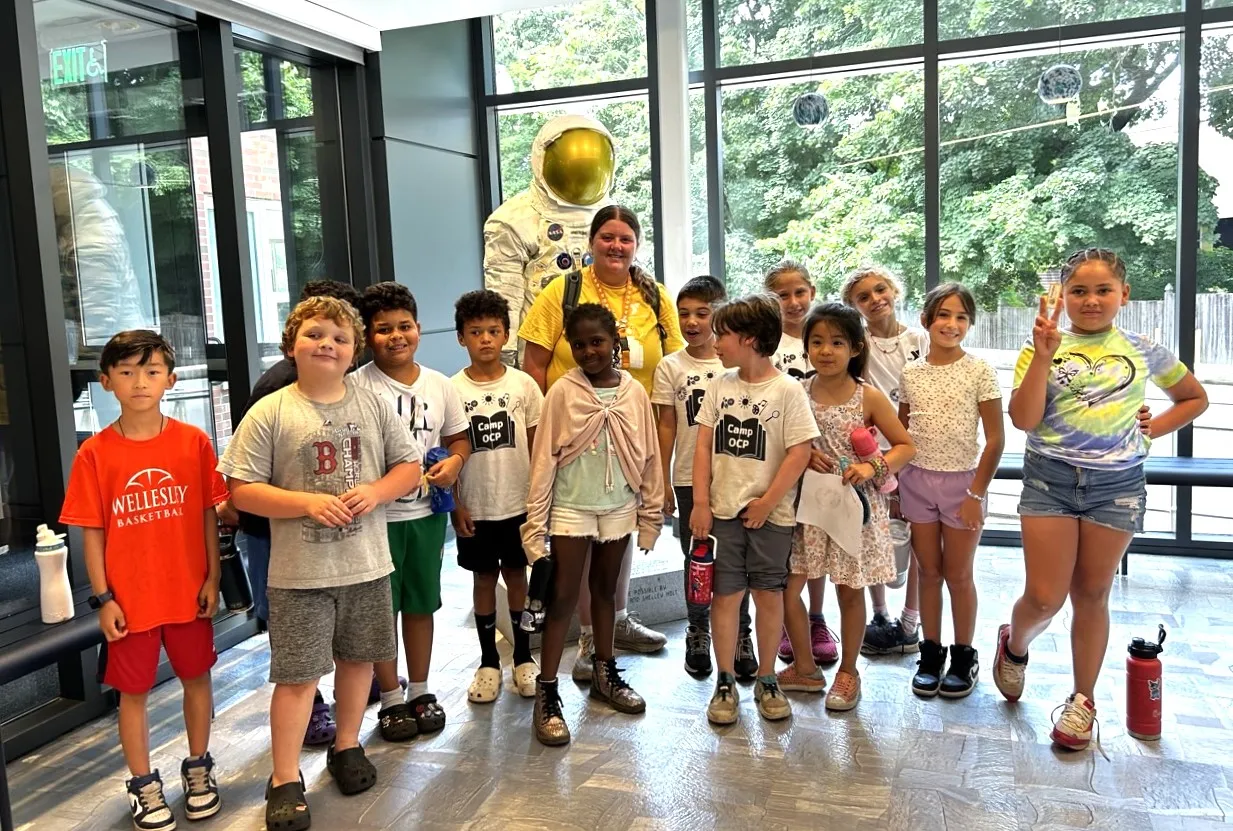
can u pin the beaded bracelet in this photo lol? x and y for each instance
(881, 471)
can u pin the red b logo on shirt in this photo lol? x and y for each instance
(327, 458)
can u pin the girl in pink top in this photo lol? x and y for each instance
(596, 477)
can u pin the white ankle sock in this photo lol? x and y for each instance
(586, 630)
(621, 615)
(908, 621)
(415, 689)
(389, 699)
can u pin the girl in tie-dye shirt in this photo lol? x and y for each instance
(1078, 391)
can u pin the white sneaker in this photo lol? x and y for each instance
(631, 635)
(201, 798)
(1074, 727)
(582, 664)
(148, 805)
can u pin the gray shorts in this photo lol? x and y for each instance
(312, 628)
(750, 559)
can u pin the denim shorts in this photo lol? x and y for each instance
(1115, 499)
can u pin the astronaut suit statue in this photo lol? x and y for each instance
(543, 231)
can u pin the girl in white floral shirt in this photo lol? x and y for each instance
(944, 398)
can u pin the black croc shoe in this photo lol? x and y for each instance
(351, 770)
(397, 723)
(286, 809)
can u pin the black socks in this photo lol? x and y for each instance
(522, 639)
(486, 627)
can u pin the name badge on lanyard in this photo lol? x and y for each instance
(631, 354)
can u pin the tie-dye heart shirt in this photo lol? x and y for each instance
(1096, 386)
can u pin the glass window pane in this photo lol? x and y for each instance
(701, 259)
(297, 90)
(570, 44)
(846, 192)
(1025, 182)
(254, 98)
(693, 33)
(1213, 435)
(958, 18)
(628, 119)
(755, 31)
(107, 74)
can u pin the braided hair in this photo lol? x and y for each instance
(1086, 255)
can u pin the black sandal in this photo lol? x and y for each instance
(397, 723)
(351, 770)
(285, 806)
(429, 717)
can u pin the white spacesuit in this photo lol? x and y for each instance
(543, 231)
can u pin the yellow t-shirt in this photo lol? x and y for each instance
(544, 325)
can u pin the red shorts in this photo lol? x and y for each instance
(131, 663)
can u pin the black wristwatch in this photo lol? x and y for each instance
(98, 601)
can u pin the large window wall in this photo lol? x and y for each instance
(585, 58)
(172, 208)
(938, 157)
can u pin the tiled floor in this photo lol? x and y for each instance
(894, 763)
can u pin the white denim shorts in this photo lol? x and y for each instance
(602, 526)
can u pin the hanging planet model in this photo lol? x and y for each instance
(810, 109)
(1060, 84)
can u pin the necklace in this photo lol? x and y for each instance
(882, 349)
(623, 320)
(162, 425)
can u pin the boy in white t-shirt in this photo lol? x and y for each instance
(502, 406)
(754, 434)
(427, 403)
(680, 381)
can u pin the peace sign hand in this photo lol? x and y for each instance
(1046, 337)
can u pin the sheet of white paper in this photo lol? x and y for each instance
(829, 504)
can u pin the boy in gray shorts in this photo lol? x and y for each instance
(321, 458)
(754, 434)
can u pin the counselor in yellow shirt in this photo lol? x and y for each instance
(544, 324)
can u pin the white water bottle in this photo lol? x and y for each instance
(55, 591)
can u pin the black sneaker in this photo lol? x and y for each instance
(960, 679)
(928, 678)
(884, 637)
(746, 666)
(697, 651)
(201, 798)
(148, 805)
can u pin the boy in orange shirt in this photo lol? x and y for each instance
(144, 492)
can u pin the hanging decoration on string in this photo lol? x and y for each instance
(810, 109)
(1060, 84)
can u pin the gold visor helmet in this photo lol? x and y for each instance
(578, 166)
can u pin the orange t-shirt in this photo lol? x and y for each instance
(150, 498)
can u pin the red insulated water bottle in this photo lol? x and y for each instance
(701, 571)
(1144, 687)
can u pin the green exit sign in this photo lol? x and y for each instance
(80, 64)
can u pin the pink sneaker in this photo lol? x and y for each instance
(785, 649)
(823, 643)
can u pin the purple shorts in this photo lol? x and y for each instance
(934, 496)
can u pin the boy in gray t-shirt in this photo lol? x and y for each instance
(321, 459)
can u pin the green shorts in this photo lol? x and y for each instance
(417, 546)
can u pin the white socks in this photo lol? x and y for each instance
(389, 699)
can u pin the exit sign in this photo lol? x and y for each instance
(80, 64)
